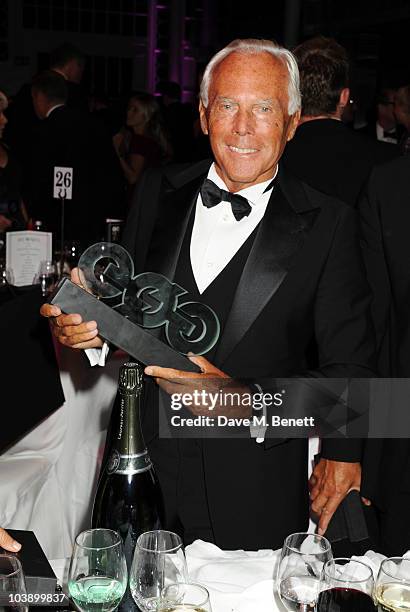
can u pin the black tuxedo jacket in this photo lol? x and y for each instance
(72, 138)
(303, 286)
(333, 158)
(385, 219)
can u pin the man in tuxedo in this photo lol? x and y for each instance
(326, 153)
(66, 60)
(383, 126)
(70, 138)
(385, 216)
(281, 267)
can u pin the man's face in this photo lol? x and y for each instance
(247, 118)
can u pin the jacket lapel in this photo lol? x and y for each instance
(176, 206)
(280, 236)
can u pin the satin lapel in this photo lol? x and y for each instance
(174, 213)
(279, 238)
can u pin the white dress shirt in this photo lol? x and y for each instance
(217, 236)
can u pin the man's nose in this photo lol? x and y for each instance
(243, 123)
(3, 119)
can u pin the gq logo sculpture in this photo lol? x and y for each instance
(150, 300)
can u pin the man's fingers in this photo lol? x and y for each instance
(319, 502)
(7, 542)
(72, 319)
(328, 511)
(50, 310)
(94, 343)
(206, 366)
(176, 376)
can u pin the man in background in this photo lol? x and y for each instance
(68, 137)
(326, 153)
(67, 61)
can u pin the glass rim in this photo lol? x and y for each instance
(405, 559)
(98, 547)
(348, 560)
(159, 552)
(307, 554)
(14, 572)
(194, 584)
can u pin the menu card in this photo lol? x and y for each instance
(24, 252)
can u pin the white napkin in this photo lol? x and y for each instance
(374, 560)
(238, 581)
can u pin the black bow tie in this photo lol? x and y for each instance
(212, 196)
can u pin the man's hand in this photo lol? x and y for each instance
(210, 379)
(7, 542)
(71, 330)
(329, 484)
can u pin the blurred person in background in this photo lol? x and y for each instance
(70, 138)
(66, 60)
(326, 153)
(142, 143)
(179, 118)
(13, 214)
(402, 114)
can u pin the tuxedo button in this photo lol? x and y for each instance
(225, 218)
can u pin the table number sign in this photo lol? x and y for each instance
(63, 183)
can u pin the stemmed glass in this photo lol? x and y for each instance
(159, 560)
(346, 585)
(97, 577)
(13, 593)
(301, 562)
(182, 597)
(393, 584)
(46, 276)
(6, 275)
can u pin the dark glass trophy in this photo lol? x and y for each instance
(149, 317)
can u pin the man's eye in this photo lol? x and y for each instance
(265, 109)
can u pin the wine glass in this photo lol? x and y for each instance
(393, 584)
(46, 276)
(301, 562)
(6, 275)
(346, 585)
(181, 597)
(13, 593)
(97, 577)
(159, 560)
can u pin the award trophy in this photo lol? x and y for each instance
(149, 317)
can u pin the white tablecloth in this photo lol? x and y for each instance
(237, 581)
(48, 479)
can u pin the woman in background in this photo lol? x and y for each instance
(142, 143)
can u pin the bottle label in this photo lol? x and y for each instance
(128, 464)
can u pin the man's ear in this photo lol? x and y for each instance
(293, 124)
(203, 118)
(344, 97)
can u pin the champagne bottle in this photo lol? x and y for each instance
(128, 497)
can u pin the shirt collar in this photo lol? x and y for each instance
(53, 109)
(252, 194)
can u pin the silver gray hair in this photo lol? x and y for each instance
(254, 46)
